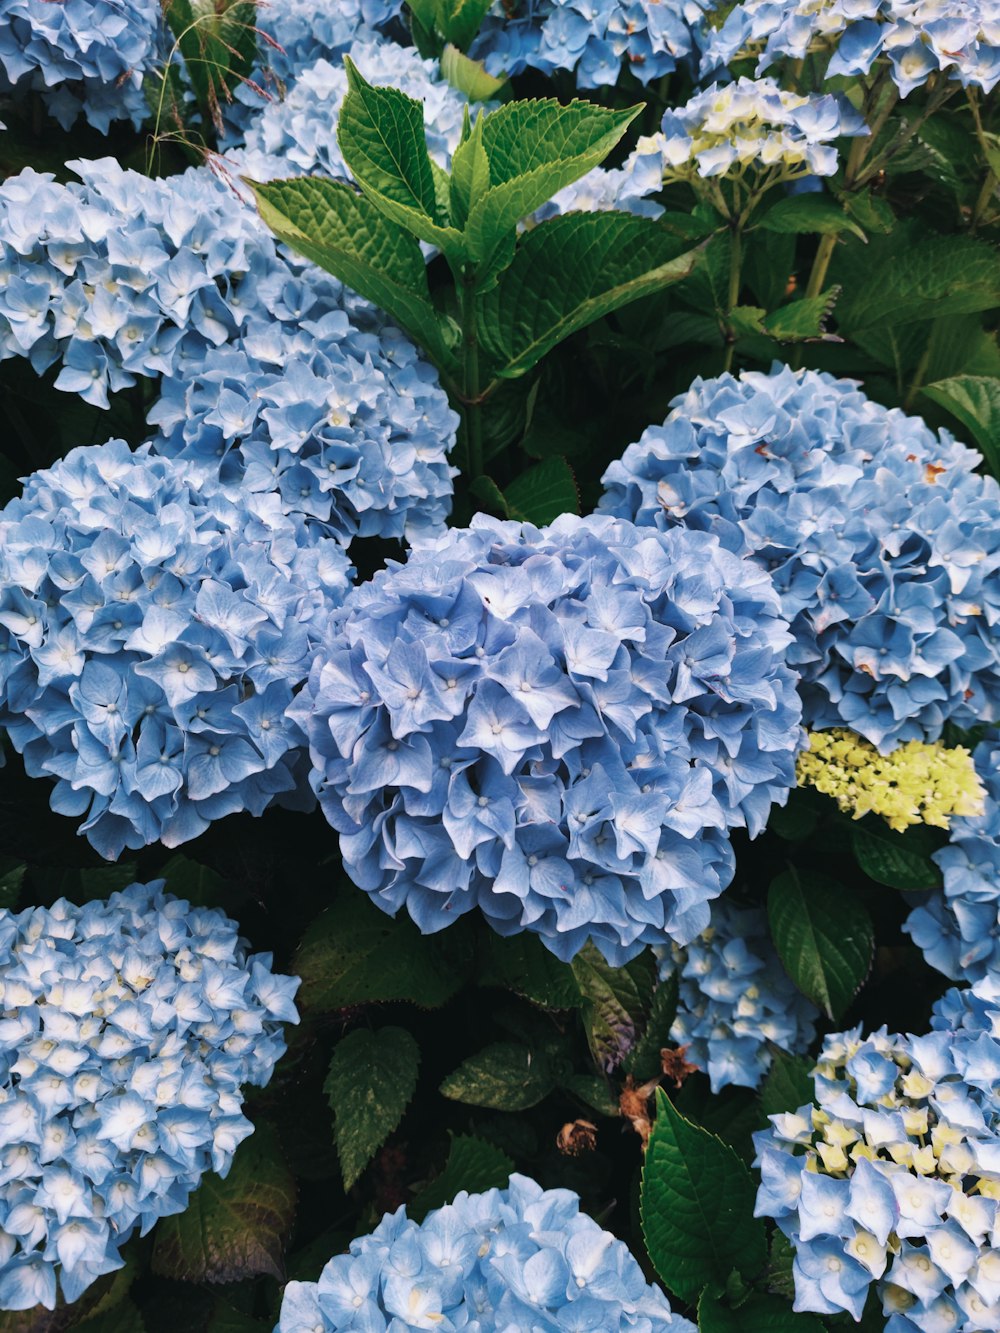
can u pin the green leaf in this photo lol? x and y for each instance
(459, 20)
(506, 1076)
(233, 1228)
(824, 937)
(975, 401)
(372, 1077)
(218, 44)
(697, 1201)
(643, 1061)
(544, 492)
(343, 232)
(789, 1084)
(617, 1002)
(594, 1092)
(470, 172)
(469, 76)
(121, 1318)
(803, 320)
(522, 964)
(760, 1314)
(12, 873)
(795, 820)
(473, 1165)
(871, 211)
(571, 270)
(746, 319)
(898, 860)
(809, 213)
(488, 493)
(193, 881)
(354, 954)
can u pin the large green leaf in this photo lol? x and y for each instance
(697, 1203)
(372, 1077)
(506, 1076)
(571, 270)
(975, 401)
(459, 20)
(544, 492)
(805, 213)
(345, 233)
(473, 1164)
(759, 1314)
(233, 1228)
(617, 1002)
(898, 860)
(354, 954)
(521, 963)
(824, 937)
(789, 1084)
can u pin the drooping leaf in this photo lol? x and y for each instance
(974, 400)
(697, 1203)
(643, 1061)
(507, 1076)
(469, 76)
(809, 213)
(233, 1228)
(898, 860)
(759, 1314)
(373, 1076)
(521, 963)
(788, 1084)
(544, 492)
(473, 1164)
(617, 1002)
(824, 937)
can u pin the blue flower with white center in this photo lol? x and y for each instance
(152, 632)
(557, 726)
(272, 375)
(736, 1004)
(882, 540)
(130, 1028)
(516, 1258)
(958, 928)
(893, 1175)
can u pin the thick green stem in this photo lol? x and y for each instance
(824, 251)
(735, 275)
(472, 405)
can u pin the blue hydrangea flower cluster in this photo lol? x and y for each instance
(735, 1003)
(883, 542)
(297, 33)
(518, 1258)
(917, 38)
(893, 1177)
(593, 38)
(959, 929)
(81, 55)
(270, 371)
(152, 631)
(129, 1029)
(557, 726)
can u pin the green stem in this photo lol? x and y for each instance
(920, 373)
(735, 274)
(472, 405)
(983, 199)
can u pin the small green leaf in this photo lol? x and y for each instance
(521, 963)
(760, 1314)
(544, 492)
(872, 211)
(469, 76)
(11, 879)
(809, 213)
(197, 883)
(372, 1077)
(473, 1165)
(824, 937)
(233, 1228)
(803, 320)
(459, 20)
(643, 1061)
(617, 1002)
(470, 173)
(697, 1202)
(594, 1092)
(974, 400)
(506, 1076)
(789, 1084)
(898, 860)
(795, 820)
(746, 319)
(489, 493)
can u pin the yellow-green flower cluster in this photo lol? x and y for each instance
(916, 784)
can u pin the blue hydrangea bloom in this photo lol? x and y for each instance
(81, 55)
(297, 33)
(893, 1176)
(916, 38)
(593, 38)
(557, 726)
(959, 929)
(269, 369)
(883, 542)
(129, 1030)
(513, 1259)
(152, 631)
(736, 1003)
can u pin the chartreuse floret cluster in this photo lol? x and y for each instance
(882, 539)
(916, 783)
(893, 1175)
(151, 634)
(518, 1258)
(736, 1003)
(129, 1030)
(958, 928)
(557, 726)
(917, 39)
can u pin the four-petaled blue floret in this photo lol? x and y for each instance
(883, 542)
(555, 725)
(518, 1258)
(129, 1029)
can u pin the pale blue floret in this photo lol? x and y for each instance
(557, 726)
(513, 1259)
(130, 1027)
(883, 542)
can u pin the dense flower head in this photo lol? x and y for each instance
(152, 631)
(593, 38)
(917, 38)
(129, 1029)
(297, 33)
(753, 125)
(555, 725)
(958, 928)
(916, 783)
(883, 542)
(81, 55)
(518, 1258)
(893, 1176)
(736, 1004)
(270, 370)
